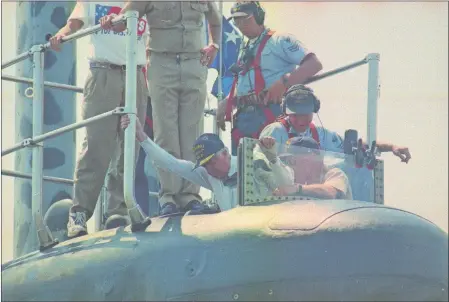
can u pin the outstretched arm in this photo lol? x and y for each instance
(165, 160)
(402, 152)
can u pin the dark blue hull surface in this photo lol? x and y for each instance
(301, 250)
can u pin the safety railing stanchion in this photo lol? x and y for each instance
(139, 221)
(43, 233)
(373, 95)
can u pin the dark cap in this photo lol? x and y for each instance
(293, 144)
(205, 148)
(243, 9)
(299, 99)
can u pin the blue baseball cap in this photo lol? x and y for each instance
(299, 99)
(243, 9)
(205, 147)
(293, 143)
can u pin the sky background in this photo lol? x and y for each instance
(412, 39)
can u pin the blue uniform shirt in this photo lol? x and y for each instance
(329, 140)
(281, 55)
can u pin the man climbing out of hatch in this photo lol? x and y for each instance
(268, 64)
(104, 90)
(298, 106)
(215, 168)
(177, 83)
(311, 176)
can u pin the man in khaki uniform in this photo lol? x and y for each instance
(177, 76)
(104, 90)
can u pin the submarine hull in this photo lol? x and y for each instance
(297, 250)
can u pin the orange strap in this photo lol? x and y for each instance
(314, 133)
(259, 80)
(230, 103)
(258, 77)
(287, 127)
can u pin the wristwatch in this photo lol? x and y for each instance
(215, 45)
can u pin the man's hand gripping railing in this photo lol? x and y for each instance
(44, 47)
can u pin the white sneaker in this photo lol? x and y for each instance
(77, 224)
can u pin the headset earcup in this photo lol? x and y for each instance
(317, 105)
(261, 16)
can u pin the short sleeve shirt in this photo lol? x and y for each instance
(107, 46)
(338, 179)
(281, 55)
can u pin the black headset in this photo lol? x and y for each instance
(309, 91)
(260, 15)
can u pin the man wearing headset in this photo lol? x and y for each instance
(298, 106)
(268, 63)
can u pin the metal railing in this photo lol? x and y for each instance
(138, 218)
(139, 221)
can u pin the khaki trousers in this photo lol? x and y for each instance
(177, 86)
(102, 147)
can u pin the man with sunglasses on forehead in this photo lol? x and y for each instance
(268, 64)
(311, 177)
(215, 168)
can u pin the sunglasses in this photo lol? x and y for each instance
(240, 20)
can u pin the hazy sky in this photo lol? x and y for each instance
(412, 41)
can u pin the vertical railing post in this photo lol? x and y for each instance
(373, 95)
(43, 234)
(139, 221)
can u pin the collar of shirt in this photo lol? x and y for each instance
(232, 173)
(293, 131)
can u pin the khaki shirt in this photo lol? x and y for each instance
(177, 26)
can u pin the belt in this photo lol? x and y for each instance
(110, 66)
(178, 55)
(250, 99)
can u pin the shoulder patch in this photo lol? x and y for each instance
(291, 42)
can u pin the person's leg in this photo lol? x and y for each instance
(191, 110)
(164, 81)
(102, 93)
(116, 201)
(250, 120)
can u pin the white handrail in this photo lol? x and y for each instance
(78, 34)
(139, 221)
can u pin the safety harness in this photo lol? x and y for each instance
(236, 134)
(283, 120)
